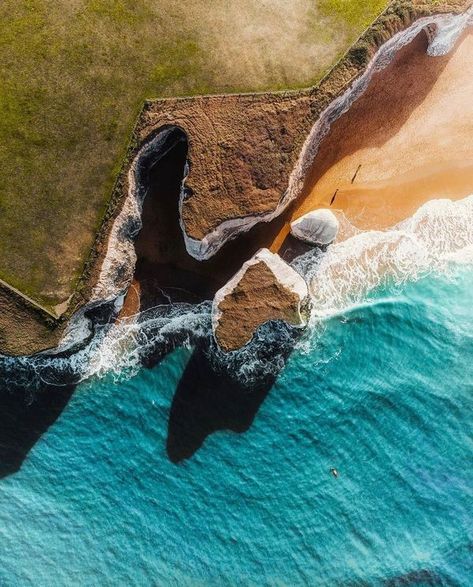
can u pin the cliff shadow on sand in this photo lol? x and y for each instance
(390, 100)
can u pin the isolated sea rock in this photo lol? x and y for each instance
(319, 227)
(265, 288)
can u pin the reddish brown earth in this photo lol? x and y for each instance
(242, 150)
(258, 298)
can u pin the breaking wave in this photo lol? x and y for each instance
(94, 349)
(439, 233)
(347, 274)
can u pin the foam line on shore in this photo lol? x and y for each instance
(439, 233)
(444, 30)
(437, 236)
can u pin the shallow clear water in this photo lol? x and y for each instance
(383, 394)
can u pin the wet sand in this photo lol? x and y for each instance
(407, 140)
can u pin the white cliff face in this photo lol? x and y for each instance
(319, 227)
(448, 31)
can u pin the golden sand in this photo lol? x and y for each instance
(407, 140)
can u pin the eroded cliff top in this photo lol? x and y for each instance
(242, 151)
(244, 148)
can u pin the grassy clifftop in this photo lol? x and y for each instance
(73, 75)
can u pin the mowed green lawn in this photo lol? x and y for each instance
(73, 77)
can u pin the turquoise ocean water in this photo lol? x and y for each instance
(382, 393)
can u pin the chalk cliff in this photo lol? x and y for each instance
(319, 227)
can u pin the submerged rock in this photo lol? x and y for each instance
(319, 227)
(265, 288)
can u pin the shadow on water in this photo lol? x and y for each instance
(208, 399)
(219, 391)
(425, 577)
(24, 418)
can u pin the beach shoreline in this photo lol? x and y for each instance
(109, 271)
(407, 140)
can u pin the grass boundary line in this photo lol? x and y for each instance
(113, 204)
(30, 301)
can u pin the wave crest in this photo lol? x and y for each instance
(440, 232)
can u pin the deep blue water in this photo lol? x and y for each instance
(384, 396)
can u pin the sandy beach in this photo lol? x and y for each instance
(407, 140)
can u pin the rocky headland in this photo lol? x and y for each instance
(265, 288)
(235, 166)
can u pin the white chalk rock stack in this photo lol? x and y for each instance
(319, 227)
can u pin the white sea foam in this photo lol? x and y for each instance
(439, 233)
(123, 348)
(437, 236)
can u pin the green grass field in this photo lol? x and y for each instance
(73, 77)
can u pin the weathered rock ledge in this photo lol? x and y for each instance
(266, 288)
(247, 159)
(249, 154)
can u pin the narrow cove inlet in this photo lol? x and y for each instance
(264, 375)
(403, 143)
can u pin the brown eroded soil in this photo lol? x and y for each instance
(257, 298)
(241, 151)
